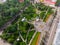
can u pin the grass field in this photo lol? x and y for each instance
(35, 38)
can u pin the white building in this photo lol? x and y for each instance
(47, 2)
(36, 1)
(2, 1)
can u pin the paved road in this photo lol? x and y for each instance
(54, 27)
(56, 40)
(3, 43)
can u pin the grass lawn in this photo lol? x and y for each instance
(35, 38)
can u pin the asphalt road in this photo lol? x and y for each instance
(54, 27)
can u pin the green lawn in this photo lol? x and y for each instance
(35, 38)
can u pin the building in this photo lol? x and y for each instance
(2, 1)
(21, 0)
(48, 2)
(36, 1)
(41, 0)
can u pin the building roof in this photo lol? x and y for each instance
(21, 0)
